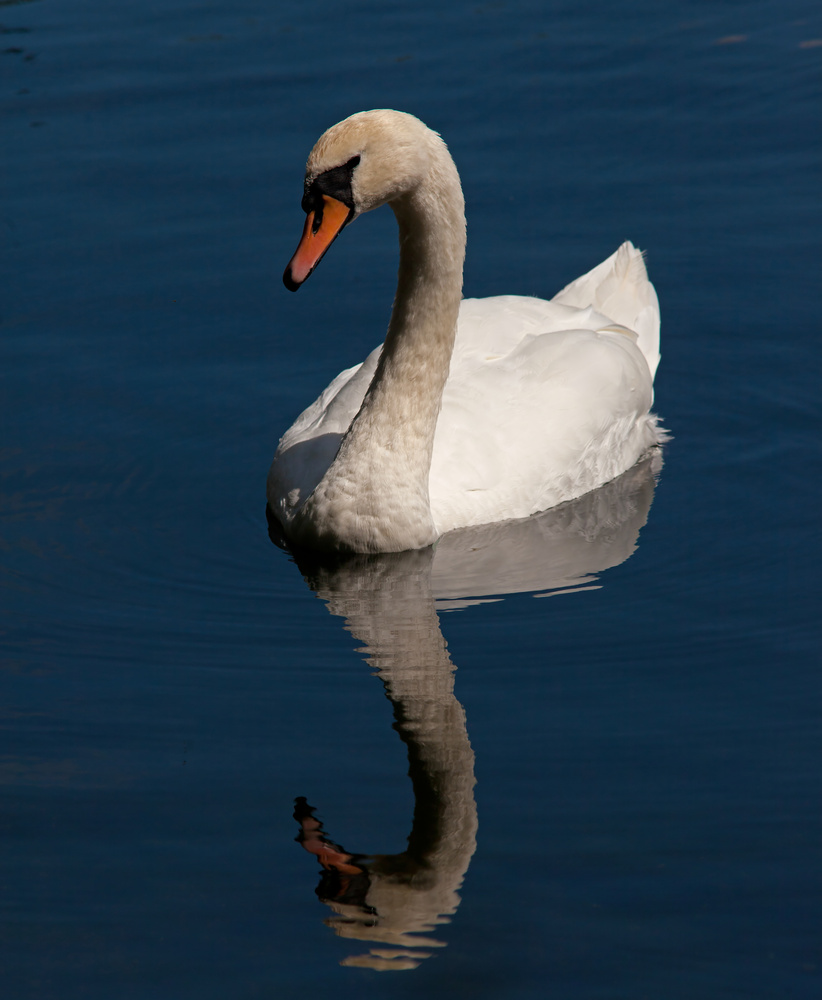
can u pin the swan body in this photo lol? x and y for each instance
(471, 411)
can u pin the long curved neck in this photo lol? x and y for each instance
(383, 463)
(403, 400)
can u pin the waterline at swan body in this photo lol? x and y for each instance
(471, 411)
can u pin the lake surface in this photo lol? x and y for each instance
(617, 793)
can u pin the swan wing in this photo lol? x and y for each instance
(619, 288)
(546, 400)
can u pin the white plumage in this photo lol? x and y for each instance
(474, 411)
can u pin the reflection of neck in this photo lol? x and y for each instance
(405, 644)
(391, 609)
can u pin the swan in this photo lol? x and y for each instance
(472, 411)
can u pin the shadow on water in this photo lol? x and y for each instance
(391, 603)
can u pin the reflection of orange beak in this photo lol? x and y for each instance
(314, 243)
(329, 855)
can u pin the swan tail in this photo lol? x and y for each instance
(619, 289)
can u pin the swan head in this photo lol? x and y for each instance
(359, 164)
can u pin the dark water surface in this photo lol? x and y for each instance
(645, 738)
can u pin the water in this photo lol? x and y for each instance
(644, 736)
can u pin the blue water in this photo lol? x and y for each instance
(644, 734)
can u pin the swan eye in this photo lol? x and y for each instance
(336, 183)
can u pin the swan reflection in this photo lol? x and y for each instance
(395, 902)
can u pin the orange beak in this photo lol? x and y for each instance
(318, 235)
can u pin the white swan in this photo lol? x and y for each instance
(472, 411)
